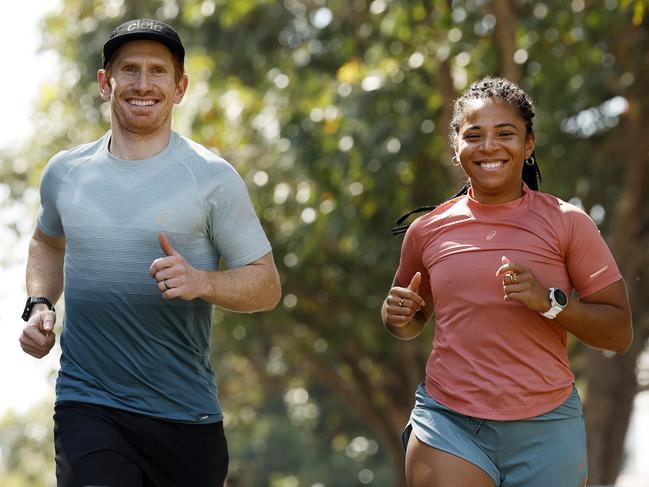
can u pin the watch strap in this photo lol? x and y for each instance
(555, 306)
(33, 300)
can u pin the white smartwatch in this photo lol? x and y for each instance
(558, 301)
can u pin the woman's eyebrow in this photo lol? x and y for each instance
(498, 126)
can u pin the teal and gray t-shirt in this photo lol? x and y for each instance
(123, 345)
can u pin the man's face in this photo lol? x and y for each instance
(142, 88)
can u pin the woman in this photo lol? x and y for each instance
(498, 265)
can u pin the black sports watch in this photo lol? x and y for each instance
(31, 301)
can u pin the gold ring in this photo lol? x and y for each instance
(401, 302)
(513, 276)
(166, 285)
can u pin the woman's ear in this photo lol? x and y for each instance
(529, 145)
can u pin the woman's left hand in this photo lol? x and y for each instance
(520, 284)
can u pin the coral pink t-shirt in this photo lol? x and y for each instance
(492, 358)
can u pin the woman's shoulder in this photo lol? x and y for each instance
(553, 207)
(448, 208)
(552, 202)
(439, 215)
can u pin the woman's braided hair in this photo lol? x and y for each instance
(489, 88)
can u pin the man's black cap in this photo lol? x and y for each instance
(143, 29)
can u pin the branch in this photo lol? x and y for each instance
(361, 404)
(505, 32)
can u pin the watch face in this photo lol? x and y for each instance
(560, 297)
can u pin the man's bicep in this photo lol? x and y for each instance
(41, 237)
(265, 263)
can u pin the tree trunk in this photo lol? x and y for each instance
(505, 32)
(608, 405)
(611, 382)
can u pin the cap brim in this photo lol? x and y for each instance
(113, 44)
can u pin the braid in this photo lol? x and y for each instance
(532, 173)
(401, 228)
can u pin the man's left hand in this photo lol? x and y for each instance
(173, 274)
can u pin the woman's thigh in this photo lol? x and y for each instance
(429, 467)
(547, 450)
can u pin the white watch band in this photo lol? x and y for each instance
(555, 306)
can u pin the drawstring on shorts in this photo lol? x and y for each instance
(479, 424)
(477, 430)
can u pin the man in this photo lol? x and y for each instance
(133, 227)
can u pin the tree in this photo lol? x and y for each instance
(27, 448)
(336, 115)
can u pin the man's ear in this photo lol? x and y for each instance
(181, 89)
(103, 81)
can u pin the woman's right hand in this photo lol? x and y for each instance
(403, 303)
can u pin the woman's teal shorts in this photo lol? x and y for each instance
(543, 451)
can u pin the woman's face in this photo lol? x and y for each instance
(492, 145)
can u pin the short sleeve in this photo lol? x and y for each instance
(49, 219)
(590, 263)
(411, 257)
(233, 224)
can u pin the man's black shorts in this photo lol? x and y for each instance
(107, 447)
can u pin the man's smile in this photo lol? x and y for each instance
(141, 103)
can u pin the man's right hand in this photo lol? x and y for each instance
(38, 337)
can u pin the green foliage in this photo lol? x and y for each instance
(335, 113)
(639, 9)
(27, 448)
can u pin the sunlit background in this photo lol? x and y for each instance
(26, 381)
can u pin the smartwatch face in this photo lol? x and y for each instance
(560, 297)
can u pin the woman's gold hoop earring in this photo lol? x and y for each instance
(455, 161)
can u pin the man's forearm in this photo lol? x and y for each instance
(44, 274)
(246, 289)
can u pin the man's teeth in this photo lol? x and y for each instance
(491, 165)
(142, 103)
